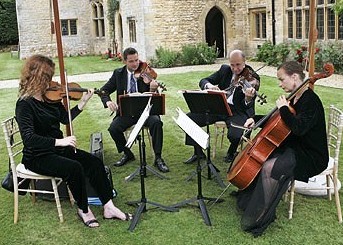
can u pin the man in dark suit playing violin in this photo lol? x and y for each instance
(241, 102)
(123, 81)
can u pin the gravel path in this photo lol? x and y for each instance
(335, 81)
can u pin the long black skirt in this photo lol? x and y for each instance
(258, 202)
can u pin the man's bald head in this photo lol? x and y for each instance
(237, 61)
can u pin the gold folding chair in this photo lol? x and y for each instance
(14, 145)
(334, 137)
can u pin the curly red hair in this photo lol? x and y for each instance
(36, 75)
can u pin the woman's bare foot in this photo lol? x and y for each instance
(88, 218)
(112, 212)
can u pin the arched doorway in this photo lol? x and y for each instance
(120, 34)
(214, 28)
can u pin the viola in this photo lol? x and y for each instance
(145, 70)
(56, 92)
(250, 160)
(244, 80)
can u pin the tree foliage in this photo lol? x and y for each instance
(8, 23)
(338, 7)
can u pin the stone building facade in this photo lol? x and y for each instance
(149, 24)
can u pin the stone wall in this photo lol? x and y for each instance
(168, 24)
(34, 26)
(173, 23)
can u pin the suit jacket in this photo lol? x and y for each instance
(118, 82)
(223, 78)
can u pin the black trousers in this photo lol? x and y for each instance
(121, 123)
(234, 134)
(73, 167)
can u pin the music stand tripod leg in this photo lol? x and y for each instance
(132, 175)
(212, 170)
(200, 199)
(141, 208)
(150, 169)
(143, 201)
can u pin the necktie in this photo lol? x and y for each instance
(132, 84)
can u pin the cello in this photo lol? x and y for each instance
(250, 160)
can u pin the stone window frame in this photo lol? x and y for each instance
(98, 18)
(258, 23)
(69, 27)
(132, 29)
(329, 25)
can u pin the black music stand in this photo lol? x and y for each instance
(208, 102)
(142, 170)
(194, 131)
(133, 105)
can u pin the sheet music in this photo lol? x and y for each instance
(138, 94)
(139, 124)
(205, 91)
(192, 129)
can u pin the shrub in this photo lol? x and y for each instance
(272, 54)
(324, 52)
(198, 54)
(330, 52)
(164, 58)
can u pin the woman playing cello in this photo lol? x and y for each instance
(303, 154)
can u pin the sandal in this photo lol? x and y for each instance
(89, 222)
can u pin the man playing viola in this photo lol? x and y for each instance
(123, 81)
(241, 102)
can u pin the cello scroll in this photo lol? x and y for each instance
(328, 70)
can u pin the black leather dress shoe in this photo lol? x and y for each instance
(123, 160)
(194, 158)
(229, 158)
(161, 165)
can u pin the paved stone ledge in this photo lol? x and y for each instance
(334, 81)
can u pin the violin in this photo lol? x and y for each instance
(145, 70)
(244, 80)
(56, 92)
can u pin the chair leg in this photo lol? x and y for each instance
(222, 140)
(71, 197)
(291, 200)
(215, 143)
(150, 141)
(16, 207)
(328, 188)
(337, 200)
(57, 199)
(33, 187)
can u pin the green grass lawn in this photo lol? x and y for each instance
(10, 67)
(314, 220)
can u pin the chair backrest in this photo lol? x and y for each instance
(14, 142)
(334, 133)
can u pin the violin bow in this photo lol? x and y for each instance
(61, 62)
